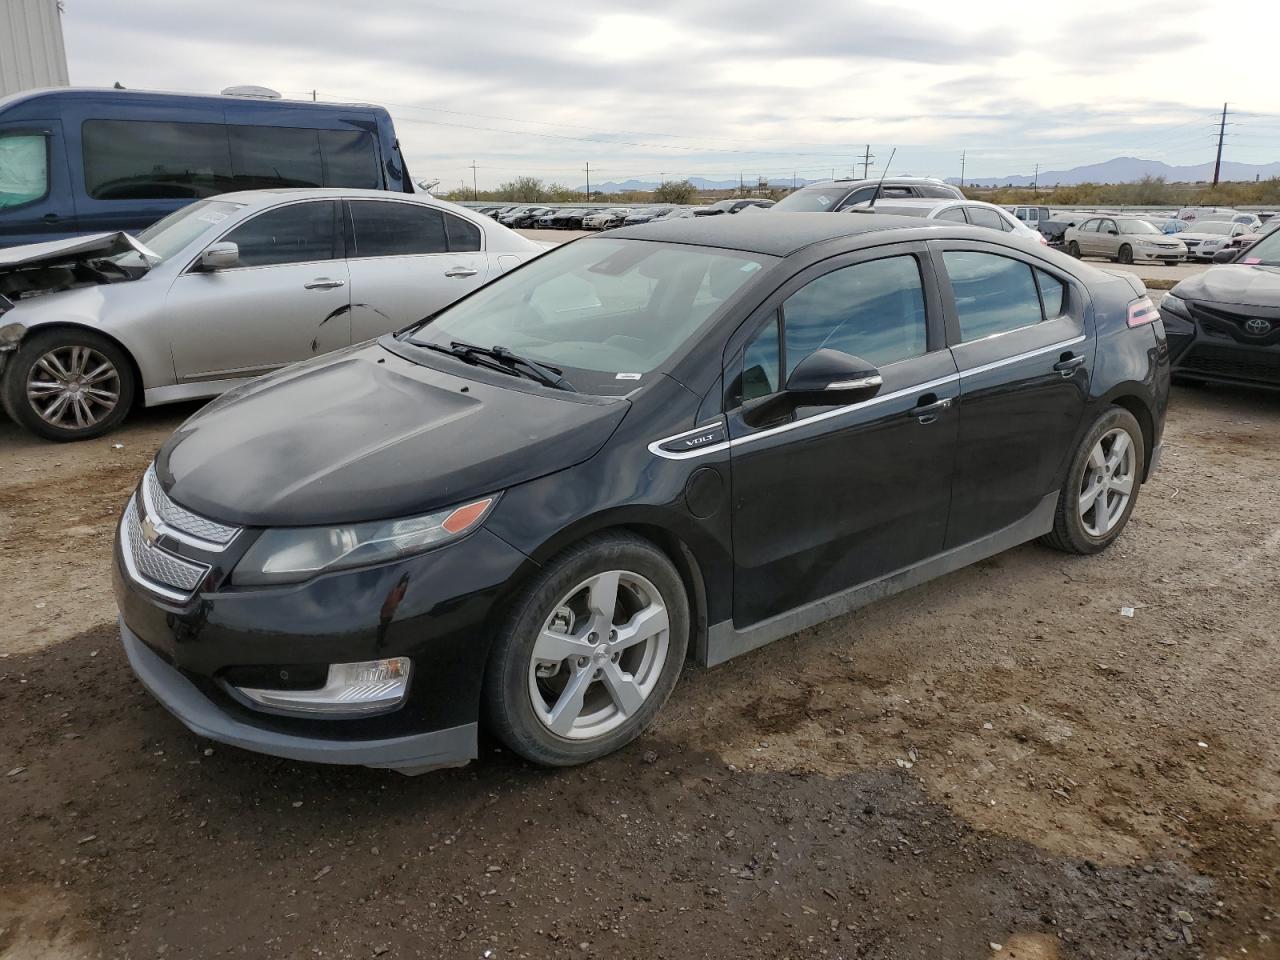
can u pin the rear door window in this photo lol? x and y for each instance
(148, 160)
(993, 294)
(298, 233)
(385, 228)
(953, 214)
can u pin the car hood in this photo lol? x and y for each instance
(1251, 285)
(34, 269)
(367, 434)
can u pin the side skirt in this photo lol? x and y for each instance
(723, 641)
(192, 390)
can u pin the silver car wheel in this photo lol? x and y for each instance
(1108, 482)
(599, 655)
(73, 386)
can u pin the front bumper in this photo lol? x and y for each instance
(415, 753)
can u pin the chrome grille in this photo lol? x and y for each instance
(157, 569)
(179, 520)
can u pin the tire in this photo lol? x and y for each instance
(525, 694)
(1073, 249)
(1126, 253)
(1083, 531)
(48, 360)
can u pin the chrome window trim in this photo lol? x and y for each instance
(1018, 358)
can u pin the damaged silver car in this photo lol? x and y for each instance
(225, 290)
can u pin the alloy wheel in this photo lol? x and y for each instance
(1108, 482)
(73, 386)
(599, 655)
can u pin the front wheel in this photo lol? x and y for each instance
(1102, 485)
(68, 384)
(1126, 253)
(1073, 248)
(589, 653)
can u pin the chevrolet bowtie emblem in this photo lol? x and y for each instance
(149, 531)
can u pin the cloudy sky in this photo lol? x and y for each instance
(717, 89)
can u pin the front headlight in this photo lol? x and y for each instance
(293, 554)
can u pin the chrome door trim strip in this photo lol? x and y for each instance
(995, 364)
(656, 447)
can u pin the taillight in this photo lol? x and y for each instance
(1041, 237)
(1142, 312)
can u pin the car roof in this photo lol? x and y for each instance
(778, 235)
(276, 194)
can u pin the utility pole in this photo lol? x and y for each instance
(962, 153)
(313, 96)
(793, 179)
(475, 189)
(740, 186)
(1035, 183)
(588, 181)
(1222, 129)
(866, 161)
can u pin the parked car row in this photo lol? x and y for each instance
(595, 217)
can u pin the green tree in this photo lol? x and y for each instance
(559, 193)
(675, 191)
(522, 190)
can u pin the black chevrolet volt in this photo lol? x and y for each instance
(685, 439)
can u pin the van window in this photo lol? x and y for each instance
(147, 160)
(24, 169)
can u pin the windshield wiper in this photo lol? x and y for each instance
(502, 359)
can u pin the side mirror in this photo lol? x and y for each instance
(825, 378)
(1114, 233)
(219, 256)
(1225, 256)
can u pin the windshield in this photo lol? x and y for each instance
(166, 237)
(812, 199)
(1266, 250)
(1215, 227)
(605, 311)
(1137, 226)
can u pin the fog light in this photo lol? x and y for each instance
(350, 690)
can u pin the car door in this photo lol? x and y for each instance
(832, 497)
(1017, 332)
(286, 300)
(1087, 237)
(407, 261)
(35, 187)
(1107, 239)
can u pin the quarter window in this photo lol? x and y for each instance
(463, 235)
(761, 363)
(994, 294)
(298, 233)
(24, 169)
(1053, 294)
(982, 217)
(389, 229)
(873, 310)
(953, 214)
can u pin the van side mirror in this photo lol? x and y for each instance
(1225, 256)
(825, 378)
(219, 256)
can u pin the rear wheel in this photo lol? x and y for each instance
(590, 652)
(1073, 248)
(1126, 253)
(68, 384)
(1102, 485)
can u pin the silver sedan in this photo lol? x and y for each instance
(225, 290)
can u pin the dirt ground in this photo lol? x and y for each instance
(998, 764)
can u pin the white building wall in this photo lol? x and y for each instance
(31, 50)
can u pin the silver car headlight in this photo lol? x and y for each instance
(294, 554)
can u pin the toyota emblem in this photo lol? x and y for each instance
(1257, 326)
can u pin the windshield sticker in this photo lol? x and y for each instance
(212, 216)
(628, 376)
(1251, 260)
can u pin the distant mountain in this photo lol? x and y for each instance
(700, 183)
(1128, 170)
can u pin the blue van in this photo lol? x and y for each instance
(76, 161)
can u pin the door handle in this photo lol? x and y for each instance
(1067, 365)
(928, 408)
(461, 272)
(50, 218)
(324, 283)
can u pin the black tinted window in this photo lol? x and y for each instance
(955, 214)
(994, 294)
(390, 229)
(464, 236)
(871, 310)
(265, 157)
(145, 160)
(761, 364)
(982, 217)
(931, 190)
(298, 233)
(350, 159)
